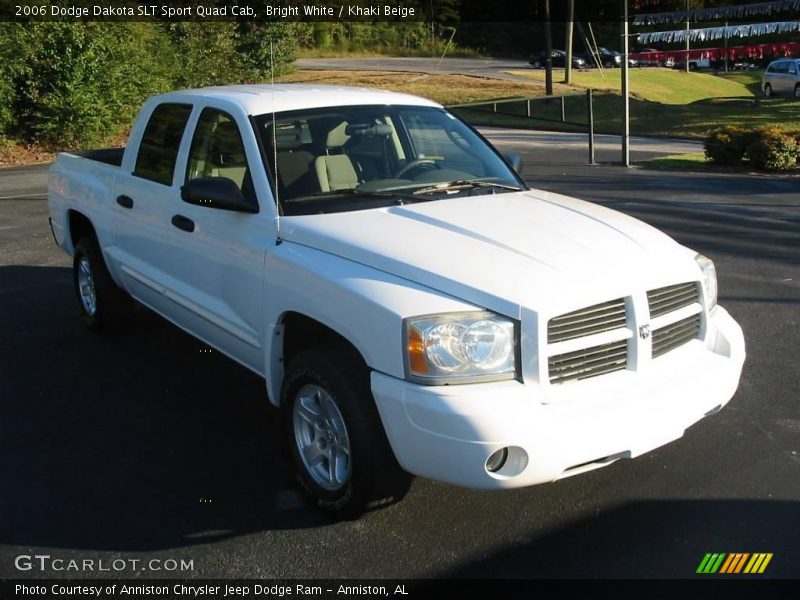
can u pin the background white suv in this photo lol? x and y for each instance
(782, 77)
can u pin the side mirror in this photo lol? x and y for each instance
(216, 192)
(515, 161)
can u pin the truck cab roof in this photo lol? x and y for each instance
(265, 98)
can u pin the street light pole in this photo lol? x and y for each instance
(548, 59)
(626, 104)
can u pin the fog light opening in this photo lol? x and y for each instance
(497, 460)
(507, 462)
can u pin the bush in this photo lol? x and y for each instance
(79, 84)
(766, 148)
(773, 150)
(727, 146)
(72, 85)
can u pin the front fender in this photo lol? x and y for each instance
(364, 305)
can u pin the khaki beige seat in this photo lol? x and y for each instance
(227, 153)
(335, 170)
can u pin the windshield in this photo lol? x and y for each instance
(358, 157)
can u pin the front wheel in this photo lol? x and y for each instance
(797, 92)
(768, 91)
(335, 434)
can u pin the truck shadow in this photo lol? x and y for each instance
(652, 539)
(137, 440)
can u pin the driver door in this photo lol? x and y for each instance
(218, 258)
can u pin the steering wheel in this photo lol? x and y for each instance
(414, 164)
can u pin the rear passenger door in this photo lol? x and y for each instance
(144, 200)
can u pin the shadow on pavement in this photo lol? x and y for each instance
(616, 543)
(133, 441)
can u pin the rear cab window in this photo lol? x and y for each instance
(161, 140)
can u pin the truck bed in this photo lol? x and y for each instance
(109, 156)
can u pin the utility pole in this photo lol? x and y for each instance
(626, 100)
(570, 27)
(687, 36)
(726, 46)
(548, 59)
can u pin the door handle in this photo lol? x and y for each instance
(183, 223)
(125, 201)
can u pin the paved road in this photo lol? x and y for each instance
(481, 67)
(140, 445)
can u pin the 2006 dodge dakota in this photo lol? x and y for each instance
(412, 305)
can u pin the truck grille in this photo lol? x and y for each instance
(671, 298)
(570, 362)
(590, 362)
(587, 321)
(676, 334)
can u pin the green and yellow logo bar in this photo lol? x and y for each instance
(734, 563)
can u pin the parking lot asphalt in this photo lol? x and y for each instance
(141, 445)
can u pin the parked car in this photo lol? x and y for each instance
(782, 77)
(608, 59)
(413, 306)
(537, 60)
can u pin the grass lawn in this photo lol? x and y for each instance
(445, 89)
(666, 102)
(666, 86)
(695, 161)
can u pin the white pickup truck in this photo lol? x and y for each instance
(412, 305)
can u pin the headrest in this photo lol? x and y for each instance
(289, 136)
(227, 150)
(338, 136)
(368, 129)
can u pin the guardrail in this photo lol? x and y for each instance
(530, 111)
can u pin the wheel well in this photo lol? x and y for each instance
(79, 227)
(301, 332)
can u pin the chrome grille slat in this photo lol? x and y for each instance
(563, 334)
(583, 364)
(589, 355)
(587, 321)
(671, 298)
(675, 335)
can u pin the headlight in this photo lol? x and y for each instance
(460, 348)
(709, 279)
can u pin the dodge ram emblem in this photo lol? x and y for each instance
(644, 332)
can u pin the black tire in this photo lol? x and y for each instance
(112, 305)
(374, 478)
(768, 91)
(797, 92)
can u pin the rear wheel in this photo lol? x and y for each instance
(536, 64)
(768, 91)
(335, 434)
(103, 305)
(797, 91)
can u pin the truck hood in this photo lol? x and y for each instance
(502, 252)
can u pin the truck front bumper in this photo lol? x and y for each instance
(448, 433)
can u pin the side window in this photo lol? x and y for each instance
(217, 151)
(792, 68)
(158, 151)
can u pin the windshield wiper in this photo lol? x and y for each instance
(399, 197)
(464, 184)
